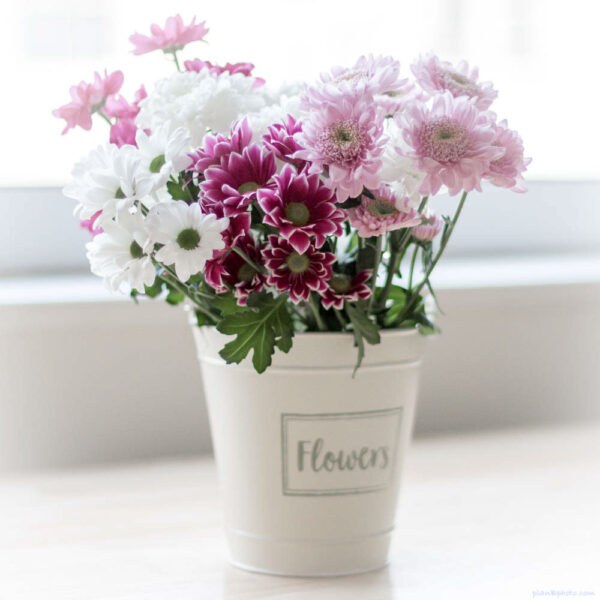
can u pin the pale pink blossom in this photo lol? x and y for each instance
(429, 228)
(507, 171)
(120, 108)
(88, 98)
(452, 142)
(435, 75)
(384, 212)
(123, 132)
(172, 38)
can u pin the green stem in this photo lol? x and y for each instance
(375, 271)
(312, 302)
(176, 60)
(396, 257)
(254, 265)
(414, 297)
(412, 266)
(105, 118)
(340, 318)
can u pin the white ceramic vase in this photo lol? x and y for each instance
(308, 457)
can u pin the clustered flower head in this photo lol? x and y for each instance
(218, 186)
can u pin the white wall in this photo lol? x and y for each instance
(86, 382)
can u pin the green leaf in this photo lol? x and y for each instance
(363, 330)
(350, 203)
(155, 289)
(174, 297)
(176, 191)
(226, 303)
(200, 318)
(257, 329)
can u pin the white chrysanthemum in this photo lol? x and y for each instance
(189, 236)
(118, 254)
(163, 152)
(274, 113)
(108, 179)
(400, 171)
(200, 101)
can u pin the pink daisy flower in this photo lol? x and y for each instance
(234, 183)
(301, 207)
(429, 228)
(123, 132)
(507, 171)
(280, 140)
(341, 287)
(346, 138)
(88, 98)
(395, 101)
(382, 213)
(295, 272)
(172, 38)
(231, 271)
(452, 142)
(117, 106)
(435, 75)
(217, 146)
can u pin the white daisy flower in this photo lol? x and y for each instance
(274, 113)
(199, 101)
(163, 152)
(119, 254)
(108, 179)
(189, 236)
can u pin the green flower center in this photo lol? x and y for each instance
(458, 78)
(381, 207)
(119, 194)
(188, 239)
(249, 186)
(340, 283)
(297, 213)
(135, 250)
(246, 272)
(157, 163)
(297, 263)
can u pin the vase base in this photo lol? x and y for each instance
(309, 558)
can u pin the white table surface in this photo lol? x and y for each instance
(482, 516)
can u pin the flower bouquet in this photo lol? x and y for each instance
(275, 214)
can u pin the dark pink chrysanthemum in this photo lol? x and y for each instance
(173, 37)
(435, 75)
(507, 171)
(341, 287)
(294, 272)
(217, 146)
(452, 142)
(346, 137)
(231, 271)
(88, 98)
(234, 183)
(429, 228)
(382, 213)
(302, 207)
(280, 140)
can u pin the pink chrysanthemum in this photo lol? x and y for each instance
(395, 101)
(452, 142)
(88, 98)
(346, 138)
(280, 140)
(370, 74)
(231, 271)
(341, 287)
(217, 146)
(385, 212)
(435, 75)
(296, 273)
(429, 228)
(234, 183)
(302, 208)
(507, 171)
(173, 37)
(232, 68)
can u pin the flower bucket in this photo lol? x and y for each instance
(308, 457)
